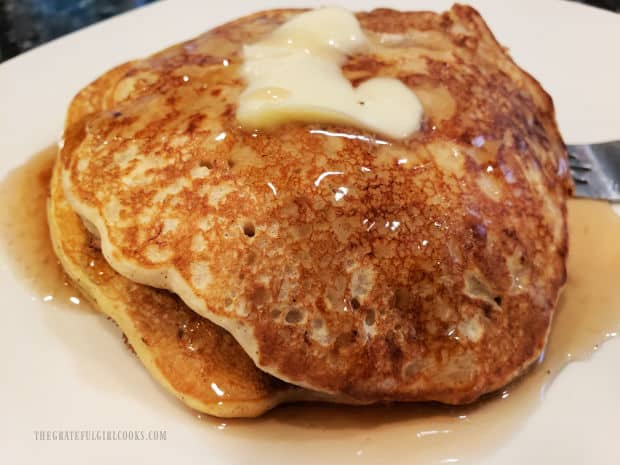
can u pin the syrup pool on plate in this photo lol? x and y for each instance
(588, 313)
(25, 234)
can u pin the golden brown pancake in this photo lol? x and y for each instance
(194, 359)
(421, 269)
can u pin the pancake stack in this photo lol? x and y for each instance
(319, 261)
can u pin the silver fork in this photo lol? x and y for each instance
(596, 170)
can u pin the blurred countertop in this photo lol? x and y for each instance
(24, 24)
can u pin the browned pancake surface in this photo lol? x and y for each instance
(196, 360)
(423, 269)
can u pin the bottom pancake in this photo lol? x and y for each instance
(195, 360)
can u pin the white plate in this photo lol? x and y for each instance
(68, 370)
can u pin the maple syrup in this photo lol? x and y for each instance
(25, 235)
(588, 313)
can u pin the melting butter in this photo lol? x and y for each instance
(295, 75)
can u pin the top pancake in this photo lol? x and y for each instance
(423, 269)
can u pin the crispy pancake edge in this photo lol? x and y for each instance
(166, 358)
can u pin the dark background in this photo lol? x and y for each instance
(27, 23)
(24, 24)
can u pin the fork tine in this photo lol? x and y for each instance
(595, 168)
(579, 179)
(578, 167)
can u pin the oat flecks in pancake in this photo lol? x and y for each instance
(196, 360)
(426, 269)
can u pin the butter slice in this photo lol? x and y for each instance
(295, 75)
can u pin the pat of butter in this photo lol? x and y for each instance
(294, 75)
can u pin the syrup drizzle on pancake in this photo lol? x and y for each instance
(588, 314)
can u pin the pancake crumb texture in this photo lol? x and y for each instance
(414, 270)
